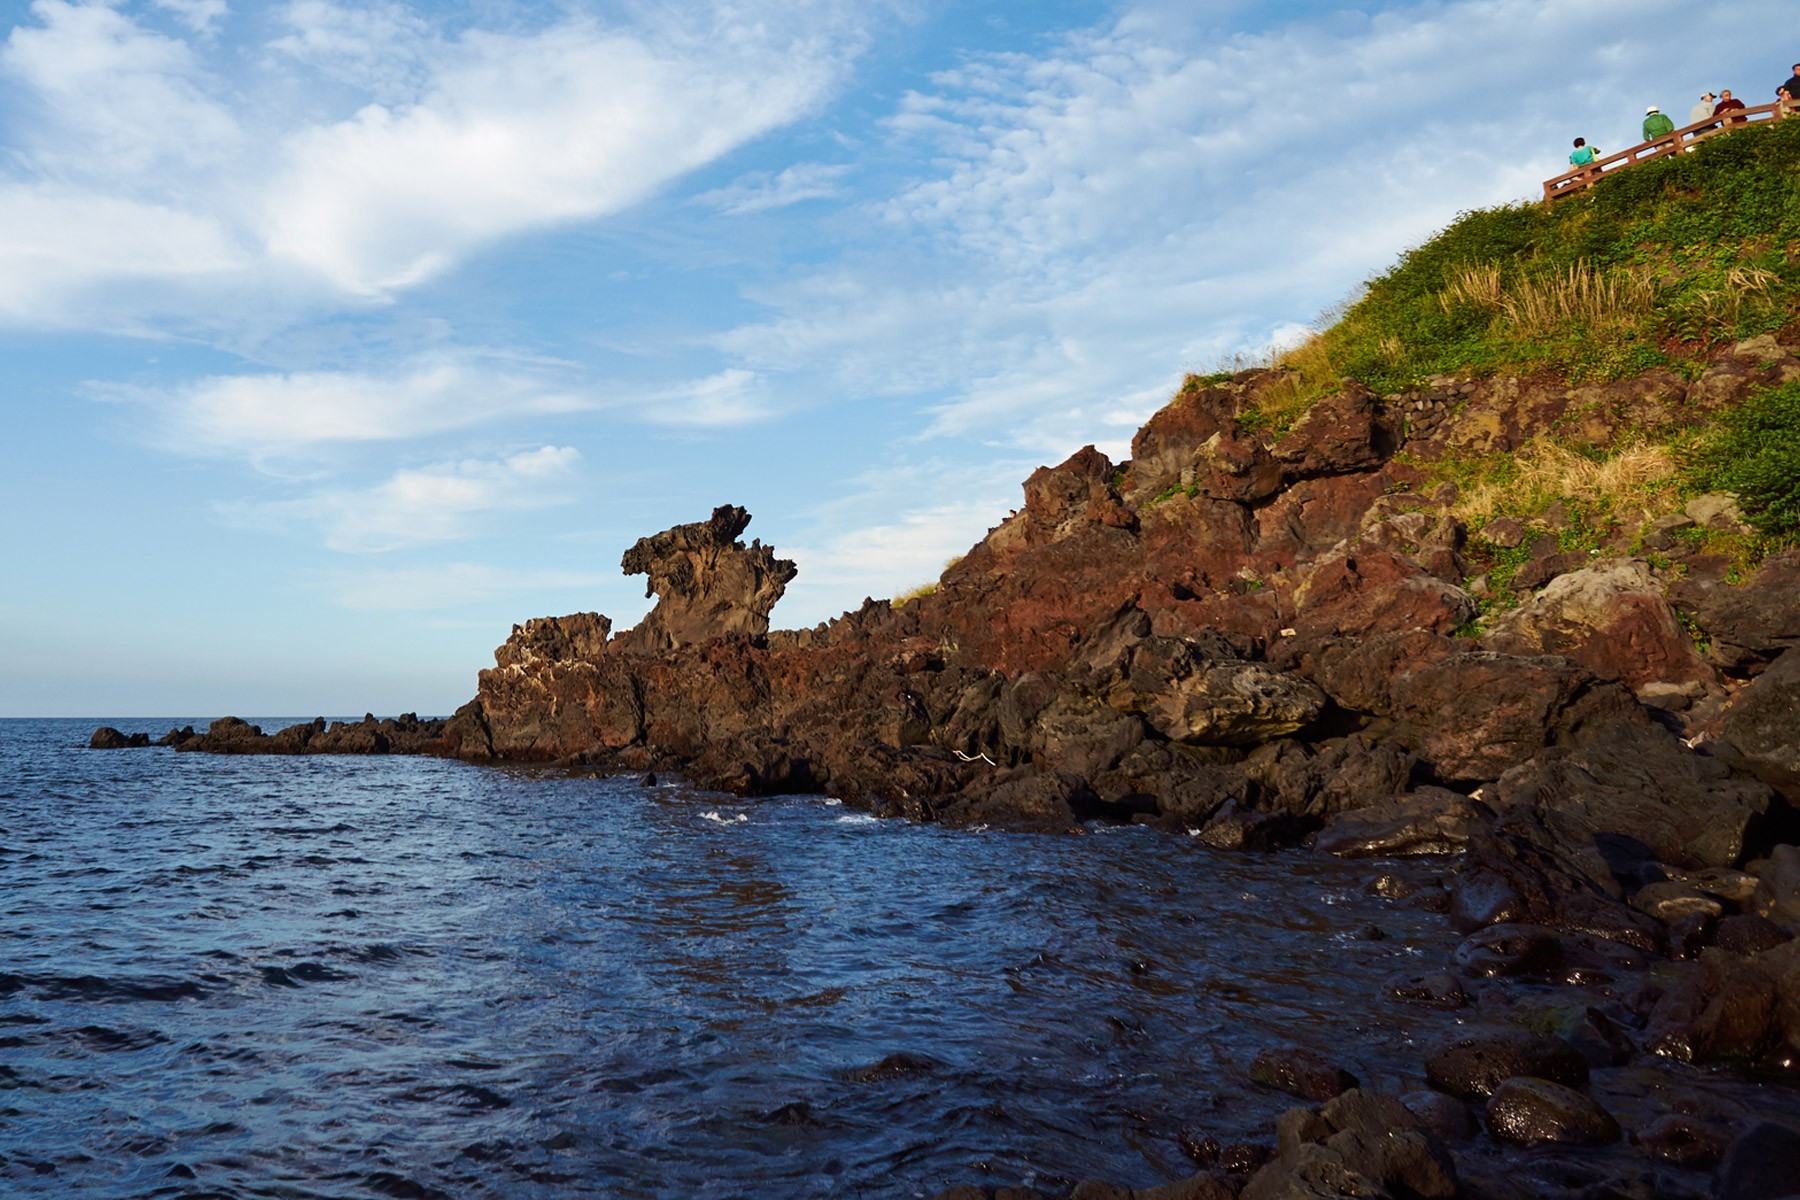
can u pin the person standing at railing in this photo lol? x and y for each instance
(1657, 125)
(1584, 155)
(1702, 111)
(1727, 104)
(1789, 92)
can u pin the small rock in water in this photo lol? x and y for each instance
(1474, 1066)
(894, 1066)
(108, 738)
(1533, 1112)
(1509, 950)
(1372, 933)
(1685, 1140)
(1300, 1072)
(1437, 989)
(647, 779)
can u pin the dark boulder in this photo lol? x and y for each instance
(1752, 624)
(1235, 828)
(1777, 895)
(1473, 1067)
(1029, 798)
(1734, 1008)
(1446, 1116)
(1428, 821)
(1759, 1165)
(1748, 933)
(1758, 729)
(108, 738)
(1684, 1139)
(1321, 780)
(1629, 793)
(1301, 1072)
(1358, 1144)
(1509, 950)
(1534, 1112)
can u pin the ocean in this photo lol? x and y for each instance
(346, 977)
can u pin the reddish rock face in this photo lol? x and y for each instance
(1221, 633)
(1612, 619)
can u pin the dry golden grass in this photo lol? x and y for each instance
(1308, 372)
(1478, 286)
(1544, 472)
(1575, 295)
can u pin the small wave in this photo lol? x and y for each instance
(856, 819)
(832, 802)
(721, 819)
(301, 974)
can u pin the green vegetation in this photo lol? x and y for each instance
(1652, 267)
(1754, 453)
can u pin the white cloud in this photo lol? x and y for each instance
(424, 505)
(442, 140)
(60, 247)
(733, 397)
(199, 15)
(276, 416)
(441, 586)
(116, 105)
(761, 191)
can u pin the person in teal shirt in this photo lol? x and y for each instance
(1656, 124)
(1584, 154)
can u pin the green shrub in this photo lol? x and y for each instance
(1754, 453)
(1652, 267)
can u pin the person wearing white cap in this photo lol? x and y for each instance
(1702, 111)
(1656, 125)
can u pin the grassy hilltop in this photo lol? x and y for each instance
(1661, 267)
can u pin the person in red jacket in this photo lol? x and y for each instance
(1727, 104)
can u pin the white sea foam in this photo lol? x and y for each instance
(857, 819)
(722, 819)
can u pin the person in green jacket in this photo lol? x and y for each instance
(1656, 124)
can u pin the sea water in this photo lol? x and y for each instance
(340, 977)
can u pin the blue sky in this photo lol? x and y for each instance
(337, 338)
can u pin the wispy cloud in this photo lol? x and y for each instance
(423, 505)
(274, 417)
(1149, 197)
(733, 397)
(761, 191)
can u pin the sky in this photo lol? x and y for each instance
(335, 339)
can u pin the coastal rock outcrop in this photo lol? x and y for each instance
(708, 583)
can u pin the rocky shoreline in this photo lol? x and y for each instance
(1271, 642)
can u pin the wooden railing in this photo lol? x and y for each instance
(1581, 178)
